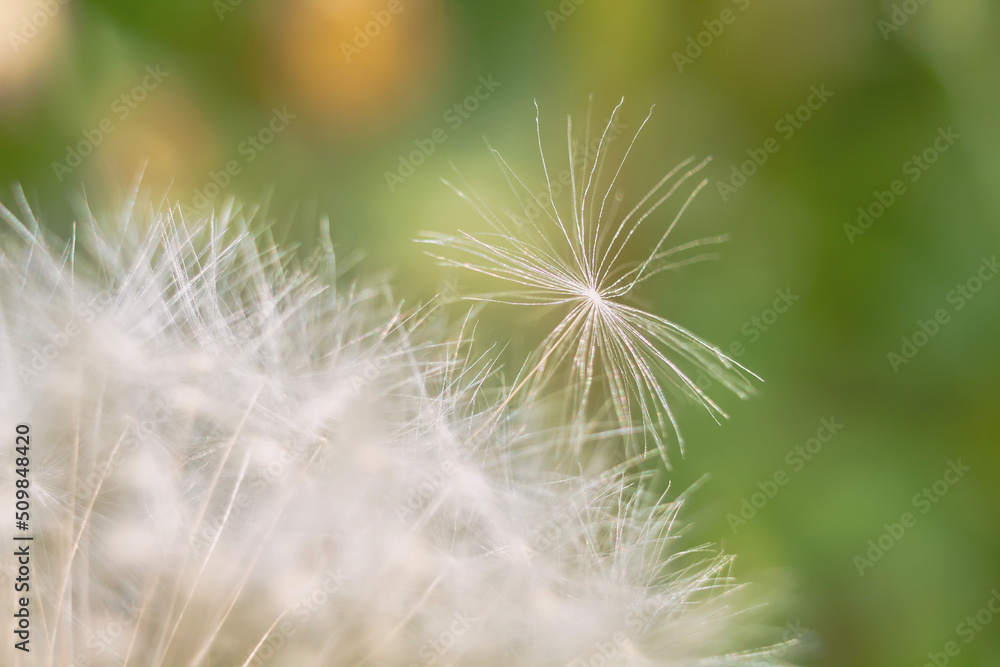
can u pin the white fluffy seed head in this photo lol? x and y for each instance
(571, 255)
(240, 458)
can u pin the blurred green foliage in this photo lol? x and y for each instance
(898, 72)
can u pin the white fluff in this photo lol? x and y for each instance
(243, 459)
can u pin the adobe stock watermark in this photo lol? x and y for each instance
(160, 413)
(211, 526)
(290, 454)
(428, 489)
(957, 298)
(434, 649)
(759, 324)
(453, 117)
(753, 330)
(42, 356)
(34, 23)
(367, 33)
(103, 640)
(697, 44)
(967, 630)
(603, 653)
(614, 649)
(900, 15)
(551, 533)
(796, 459)
(298, 614)
(562, 12)
(924, 501)
(249, 150)
(913, 169)
(369, 371)
(793, 637)
(223, 7)
(121, 108)
(786, 127)
(450, 291)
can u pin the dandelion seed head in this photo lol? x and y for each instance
(248, 458)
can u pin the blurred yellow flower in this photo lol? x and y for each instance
(33, 31)
(355, 62)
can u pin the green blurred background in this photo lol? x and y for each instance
(182, 86)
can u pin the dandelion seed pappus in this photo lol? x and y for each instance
(573, 257)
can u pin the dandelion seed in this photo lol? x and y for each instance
(572, 257)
